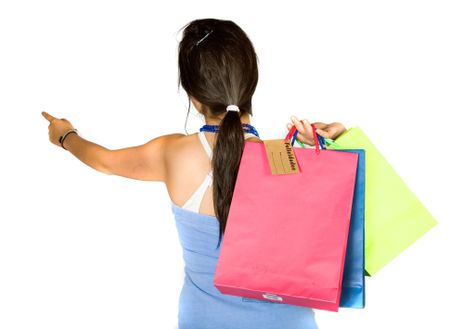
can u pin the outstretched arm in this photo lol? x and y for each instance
(144, 162)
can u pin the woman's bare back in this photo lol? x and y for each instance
(187, 166)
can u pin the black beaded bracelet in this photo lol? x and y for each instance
(62, 138)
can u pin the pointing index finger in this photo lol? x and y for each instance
(47, 116)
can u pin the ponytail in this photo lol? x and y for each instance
(225, 163)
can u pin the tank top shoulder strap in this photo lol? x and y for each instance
(205, 144)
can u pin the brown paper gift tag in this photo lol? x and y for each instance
(281, 157)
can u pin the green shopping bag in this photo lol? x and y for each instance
(394, 216)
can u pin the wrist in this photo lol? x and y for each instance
(67, 138)
(342, 131)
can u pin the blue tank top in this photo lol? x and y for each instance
(202, 306)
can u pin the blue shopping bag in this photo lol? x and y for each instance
(353, 281)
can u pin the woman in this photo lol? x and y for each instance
(218, 69)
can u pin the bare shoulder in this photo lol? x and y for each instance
(186, 161)
(184, 151)
(177, 144)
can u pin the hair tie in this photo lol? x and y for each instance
(234, 108)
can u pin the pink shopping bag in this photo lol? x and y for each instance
(286, 235)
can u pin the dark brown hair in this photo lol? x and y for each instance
(218, 67)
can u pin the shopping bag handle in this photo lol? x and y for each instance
(319, 141)
(322, 140)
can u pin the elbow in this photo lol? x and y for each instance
(105, 171)
(104, 163)
(101, 168)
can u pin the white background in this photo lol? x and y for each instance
(80, 249)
